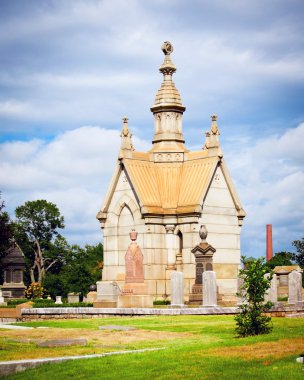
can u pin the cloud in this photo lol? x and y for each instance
(73, 170)
(269, 177)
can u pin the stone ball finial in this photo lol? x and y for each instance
(133, 235)
(203, 232)
(167, 48)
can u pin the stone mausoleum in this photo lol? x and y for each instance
(166, 194)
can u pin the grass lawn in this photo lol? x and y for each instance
(195, 347)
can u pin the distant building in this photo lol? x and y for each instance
(166, 194)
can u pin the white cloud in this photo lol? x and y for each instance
(269, 177)
(73, 171)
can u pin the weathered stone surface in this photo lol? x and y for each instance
(91, 296)
(272, 293)
(294, 287)
(73, 297)
(107, 291)
(177, 289)
(209, 289)
(58, 300)
(134, 264)
(63, 342)
(116, 327)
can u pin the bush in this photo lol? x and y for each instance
(42, 303)
(15, 302)
(251, 320)
(35, 290)
(161, 302)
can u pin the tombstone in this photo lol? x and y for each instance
(209, 289)
(73, 297)
(107, 294)
(2, 302)
(135, 291)
(203, 253)
(58, 300)
(272, 293)
(91, 297)
(294, 287)
(177, 289)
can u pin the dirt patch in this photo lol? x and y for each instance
(23, 344)
(104, 336)
(278, 349)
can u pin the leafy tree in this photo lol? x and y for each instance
(37, 234)
(299, 256)
(6, 229)
(251, 319)
(280, 259)
(82, 268)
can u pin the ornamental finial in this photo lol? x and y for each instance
(167, 48)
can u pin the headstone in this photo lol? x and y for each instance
(91, 297)
(58, 300)
(209, 289)
(272, 293)
(134, 261)
(177, 289)
(73, 297)
(107, 291)
(294, 287)
(1, 298)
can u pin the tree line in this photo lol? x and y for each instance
(58, 266)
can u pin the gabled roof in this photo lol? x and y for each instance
(170, 188)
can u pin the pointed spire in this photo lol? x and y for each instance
(212, 138)
(126, 138)
(167, 96)
(168, 108)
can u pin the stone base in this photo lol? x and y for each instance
(135, 288)
(132, 301)
(196, 296)
(105, 304)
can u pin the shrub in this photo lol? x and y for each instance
(34, 290)
(251, 320)
(161, 302)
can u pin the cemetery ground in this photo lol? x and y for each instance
(191, 347)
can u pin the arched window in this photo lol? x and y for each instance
(180, 242)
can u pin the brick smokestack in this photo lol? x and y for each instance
(269, 251)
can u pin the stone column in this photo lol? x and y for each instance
(209, 289)
(294, 287)
(177, 289)
(272, 293)
(171, 257)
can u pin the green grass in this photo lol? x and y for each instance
(209, 350)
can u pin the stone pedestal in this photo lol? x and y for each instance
(58, 300)
(209, 289)
(2, 302)
(107, 294)
(73, 297)
(177, 289)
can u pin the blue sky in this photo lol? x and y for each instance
(70, 70)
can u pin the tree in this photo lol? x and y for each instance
(82, 268)
(280, 259)
(6, 229)
(37, 227)
(299, 256)
(251, 319)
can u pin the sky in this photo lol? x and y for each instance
(71, 69)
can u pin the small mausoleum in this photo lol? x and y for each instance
(166, 194)
(13, 264)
